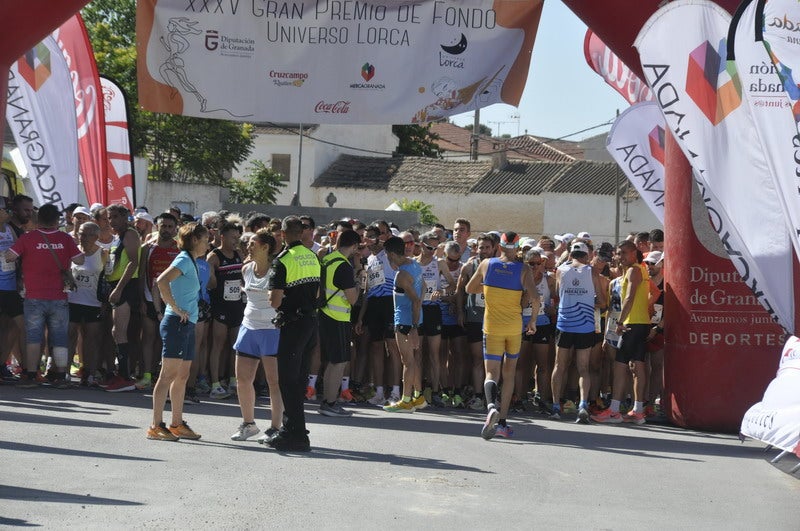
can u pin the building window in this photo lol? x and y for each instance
(282, 164)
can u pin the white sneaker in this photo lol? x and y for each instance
(245, 431)
(377, 400)
(394, 397)
(475, 403)
(218, 393)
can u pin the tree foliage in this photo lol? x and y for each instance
(260, 188)
(426, 215)
(417, 140)
(484, 130)
(179, 148)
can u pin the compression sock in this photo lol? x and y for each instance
(490, 389)
(345, 383)
(638, 407)
(312, 380)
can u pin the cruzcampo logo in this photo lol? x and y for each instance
(715, 89)
(656, 140)
(367, 71)
(34, 66)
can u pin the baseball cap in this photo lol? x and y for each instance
(509, 240)
(654, 257)
(605, 252)
(567, 237)
(584, 235)
(96, 206)
(145, 216)
(527, 242)
(579, 247)
(82, 210)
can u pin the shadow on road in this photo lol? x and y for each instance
(61, 450)
(9, 416)
(51, 496)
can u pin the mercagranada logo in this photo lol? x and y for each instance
(716, 90)
(34, 66)
(367, 71)
(656, 140)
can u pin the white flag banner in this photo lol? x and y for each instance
(776, 419)
(41, 115)
(770, 109)
(780, 21)
(636, 142)
(331, 61)
(683, 49)
(118, 146)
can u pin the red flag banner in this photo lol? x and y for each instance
(118, 146)
(74, 43)
(613, 70)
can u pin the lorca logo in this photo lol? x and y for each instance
(34, 66)
(212, 40)
(715, 90)
(785, 23)
(656, 140)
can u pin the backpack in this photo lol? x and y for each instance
(322, 300)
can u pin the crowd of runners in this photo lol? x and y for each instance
(247, 307)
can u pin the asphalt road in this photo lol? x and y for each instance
(79, 458)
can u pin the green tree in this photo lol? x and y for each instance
(426, 216)
(260, 188)
(484, 130)
(417, 140)
(179, 148)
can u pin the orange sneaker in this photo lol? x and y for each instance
(160, 433)
(183, 431)
(346, 396)
(634, 418)
(607, 417)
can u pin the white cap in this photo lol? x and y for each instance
(654, 257)
(579, 247)
(584, 235)
(96, 206)
(395, 232)
(82, 210)
(145, 216)
(567, 237)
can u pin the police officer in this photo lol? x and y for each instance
(294, 285)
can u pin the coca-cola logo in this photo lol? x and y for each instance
(339, 107)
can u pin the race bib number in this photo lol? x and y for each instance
(83, 280)
(375, 277)
(232, 291)
(659, 311)
(611, 328)
(430, 287)
(480, 301)
(7, 267)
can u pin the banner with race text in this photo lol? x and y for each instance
(331, 61)
(771, 111)
(611, 68)
(775, 420)
(119, 184)
(683, 50)
(41, 115)
(636, 142)
(88, 106)
(779, 20)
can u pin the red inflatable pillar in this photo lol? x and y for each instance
(721, 345)
(26, 22)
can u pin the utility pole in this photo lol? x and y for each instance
(476, 124)
(299, 165)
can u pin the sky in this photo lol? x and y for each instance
(563, 94)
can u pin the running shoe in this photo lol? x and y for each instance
(269, 434)
(333, 410)
(61, 382)
(394, 397)
(118, 384)
(191, 396)
(428, 394)
(284, 442)
(346, 396)
(6, 374)
(650, 411)
(419, 403)
(232, 386)
(438, 401)
(160, 433)
(145, 384)
(583, 416)
(183, 431)
(399, 406)
(555, 414)
(490, 425)
(607, 417)
(202, 386)
(633, 417)
(378, 400)
(76, 371)
(311, 393)
(245, 431)
(504, 431)
(218, 393)
(457, 401)
(475, 403)
(569, 407)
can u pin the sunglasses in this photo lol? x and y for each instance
(428, 247)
